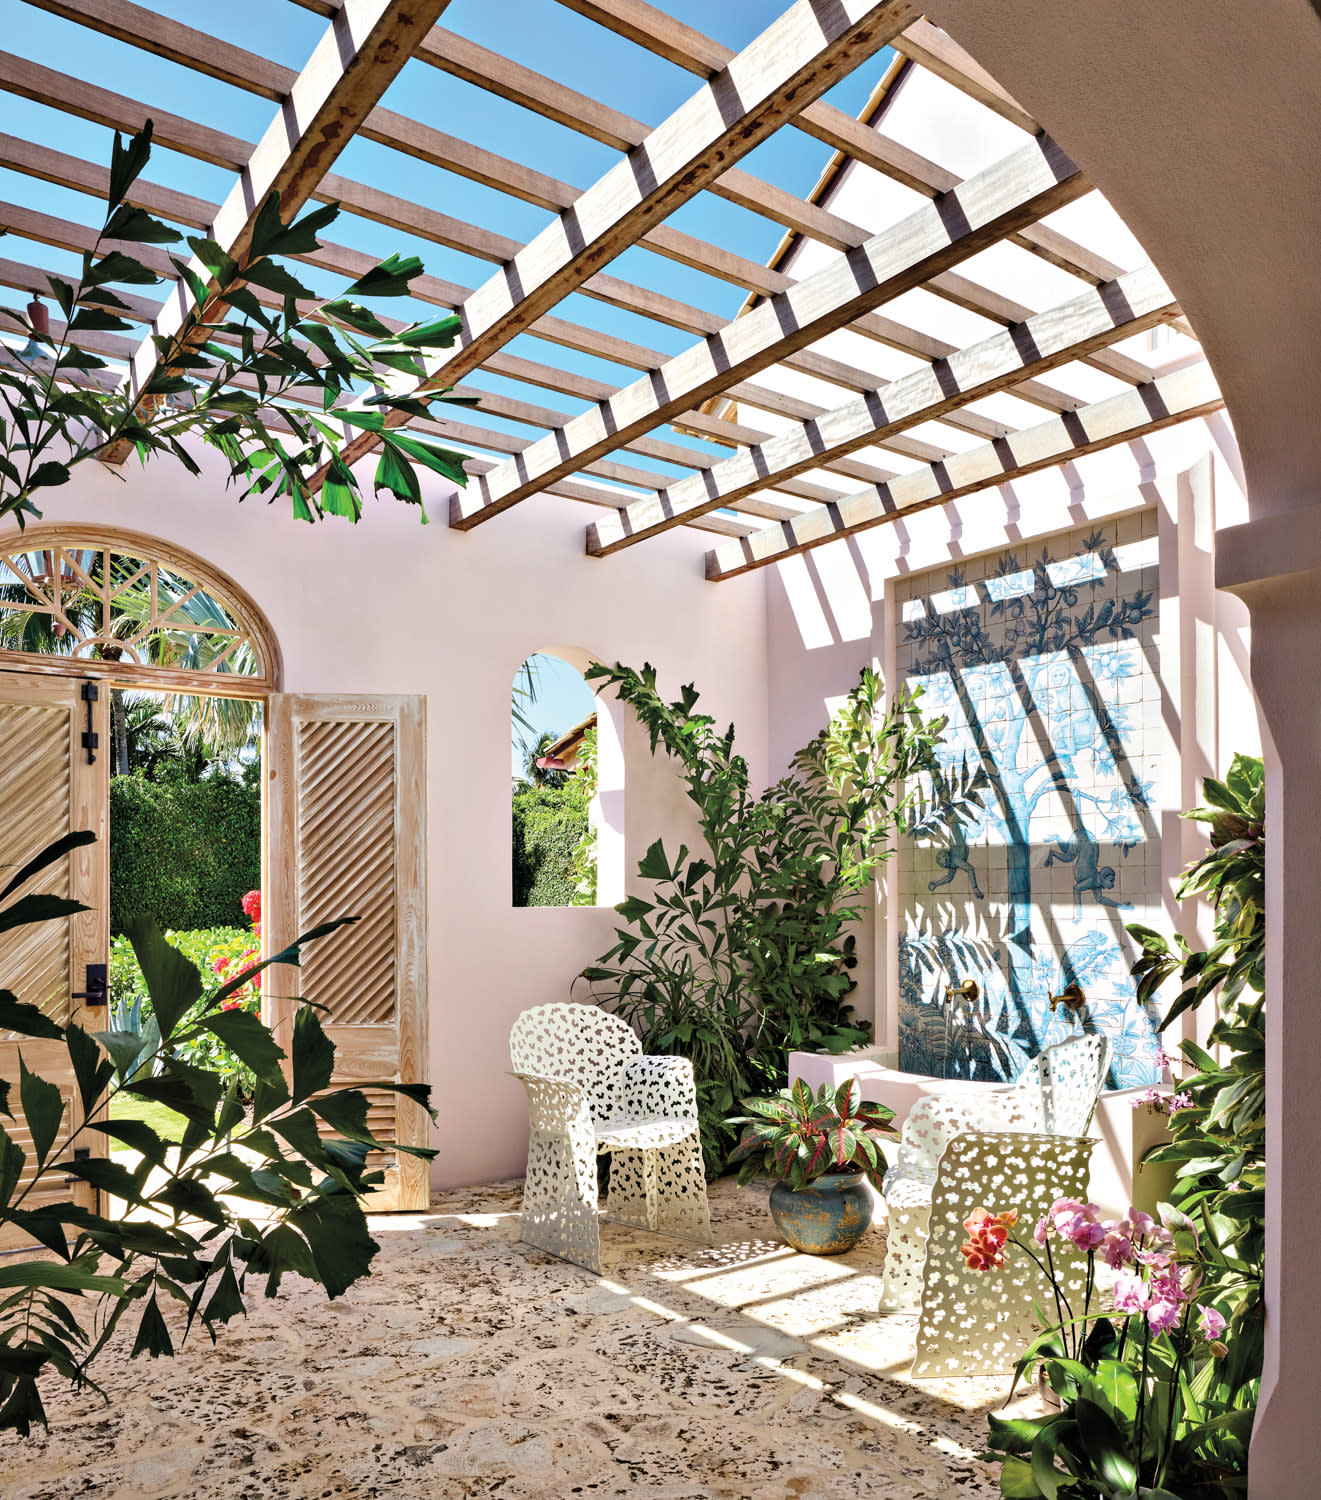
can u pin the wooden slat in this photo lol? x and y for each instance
(1030, 183)
(659, 33)
(356, 60)
(940, 54)
(795, 60)
(1119, 419)
(168, 38)
(1050, 339)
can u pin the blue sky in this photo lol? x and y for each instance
(548, 37)
(538, 33)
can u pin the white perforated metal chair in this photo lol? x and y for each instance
(1055, 1096)
(590, 1090)
(980, 1322)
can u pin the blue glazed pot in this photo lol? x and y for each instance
(827, 1218)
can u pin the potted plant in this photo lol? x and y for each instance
(824, 1149)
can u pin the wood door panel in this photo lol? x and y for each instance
(345, 836)
(49, 787)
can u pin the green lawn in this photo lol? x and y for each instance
(168, 1125)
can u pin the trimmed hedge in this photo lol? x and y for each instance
(184, 853)
(549, 823)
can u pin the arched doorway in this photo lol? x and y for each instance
(86, 613)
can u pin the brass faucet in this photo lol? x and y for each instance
(968, 990)
(1072, 997)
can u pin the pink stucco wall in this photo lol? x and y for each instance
(390, 606)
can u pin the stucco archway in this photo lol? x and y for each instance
(1202, 126)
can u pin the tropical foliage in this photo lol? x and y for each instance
(261, 370)
(242, 1196)
(582, 787)
(798, 1136)
(742, 950)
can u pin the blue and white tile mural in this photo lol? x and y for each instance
(1043, 659)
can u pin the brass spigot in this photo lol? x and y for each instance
(1072, 997)
(968, 990)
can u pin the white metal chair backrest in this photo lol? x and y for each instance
(581, 1044)
(1070, 1075)
(934, 1121)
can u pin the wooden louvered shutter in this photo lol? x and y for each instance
(346, 837)
(49, 788)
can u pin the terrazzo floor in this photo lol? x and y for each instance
(471, 1365)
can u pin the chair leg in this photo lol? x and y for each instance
(677, 1192)
(905, 1254)
(559, 1203)
(627, 1199)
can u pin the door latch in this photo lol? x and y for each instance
(98, 984)
(91, 739)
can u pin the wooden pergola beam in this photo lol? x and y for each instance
(1030, 183)
(73, 172)
(661, 34)
(795, 60)
(940, 54)
(360, 54)
(1164, 402)
(1050, 339)
(59, 91)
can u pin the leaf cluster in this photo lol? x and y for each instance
(1140, 1415)
(261, 1193)
(799, 1136)
(261, 369)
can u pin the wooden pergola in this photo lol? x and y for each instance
(792, 471)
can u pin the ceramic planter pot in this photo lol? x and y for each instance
(827, 1218)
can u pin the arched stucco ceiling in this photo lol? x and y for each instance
(1201, 123)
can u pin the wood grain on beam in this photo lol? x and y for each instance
(1030, 183)
(1119, 419)
(803, 52)
(1050, 339)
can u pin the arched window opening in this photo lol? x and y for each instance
(554, 765)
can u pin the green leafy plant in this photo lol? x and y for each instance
(799, 1137)
(1219, 1139)
(258, 356)
(743, 950)
(548, 824)
(220, 954)
(252, 1194)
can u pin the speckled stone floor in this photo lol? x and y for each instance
(471, 1365)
